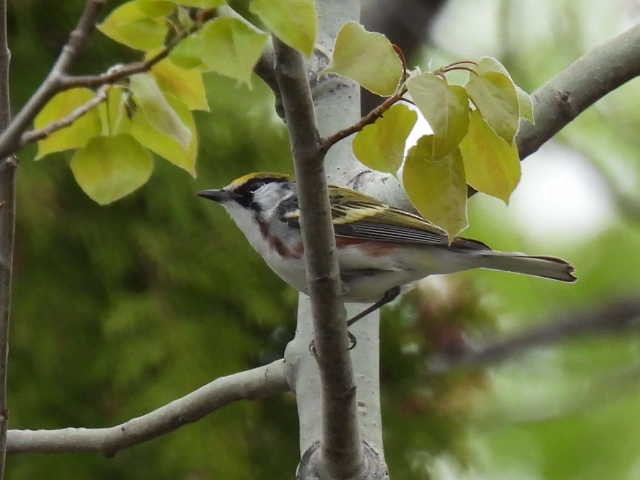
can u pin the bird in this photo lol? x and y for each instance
(380, 248)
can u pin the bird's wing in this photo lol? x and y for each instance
(360, 216)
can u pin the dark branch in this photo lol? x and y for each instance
(613, 318)
(250, 384)
(340, 447)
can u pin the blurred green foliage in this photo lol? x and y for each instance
(119, 310)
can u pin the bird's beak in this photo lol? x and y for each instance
(219, 196)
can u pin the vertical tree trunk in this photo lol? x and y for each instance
(337, 104)
(7, 213)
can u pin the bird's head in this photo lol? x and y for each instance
(257, 193)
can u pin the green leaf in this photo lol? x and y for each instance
(492, 166)
(381, 145)
(166, 146)
(157, 110)
(187, 85)
(495, 96)
(525, 105)
(137, 25)
(294, 22)
(78, 133)
(232, 48)
(445, 107)
(188, 53)
(109, 168)
(116, 116)
(200, 3)
(156, 8)
(366, 57)
(437, 187)
(225, 45)
(491, 64)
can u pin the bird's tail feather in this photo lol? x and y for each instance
(539, 266)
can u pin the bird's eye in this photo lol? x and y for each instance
(255, 187)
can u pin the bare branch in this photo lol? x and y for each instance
(340, 448)
(7, 228)
(10, 138)
(615, 317)
(256, 383)
(40, 133)
(580, 85)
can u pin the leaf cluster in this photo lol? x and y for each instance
(473, 125)
(153, 111)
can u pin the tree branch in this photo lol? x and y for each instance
(340, 448)
(580, 85)
(369, 118)
(10, 138)
(40, 133)
(7, 228)
(256, 383)
(615, 317)
(59, 79)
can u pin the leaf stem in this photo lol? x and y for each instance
(372, 116)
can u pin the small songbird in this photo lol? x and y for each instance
(380, 248)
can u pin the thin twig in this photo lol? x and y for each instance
(369, 118)
(59, 78)
(7, 229)
(10, 138)
(40, 133)
(617, 317)
(250, 384)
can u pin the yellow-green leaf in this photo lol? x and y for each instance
(158, 111)
(437, 187)
(78, 133)
(491, 64)
(525, 105)
(166, 146)
(200, 3)
(492, 166)
(187, 85)
(381, 145)
(109, 168)
(156, 8)
(188, 53)
(445, 107)
(294, 22)
(231, 47)
(136, 25)
(495, 96)
(116, 116)
(366, 57)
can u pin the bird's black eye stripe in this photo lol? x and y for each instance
(246, 191)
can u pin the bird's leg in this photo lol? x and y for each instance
(388, 296)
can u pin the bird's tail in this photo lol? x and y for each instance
(539, 266)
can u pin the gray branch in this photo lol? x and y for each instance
(617, 317)
(250, 384)
(579, 86)
(7, 228)
(340, 447)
